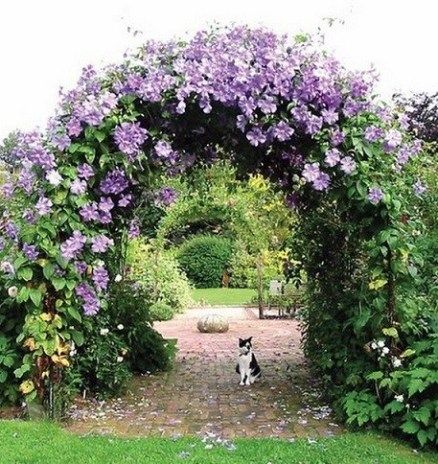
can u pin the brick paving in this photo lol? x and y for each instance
(202, 396)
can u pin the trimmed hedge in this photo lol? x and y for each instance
(205, 258)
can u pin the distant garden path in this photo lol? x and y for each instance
(201, 396)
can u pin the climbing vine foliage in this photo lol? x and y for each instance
(281, 107)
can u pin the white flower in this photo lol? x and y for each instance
(7, 267)
(13, 292)
(399, 398)
(118, 278)
(396, 362)
(104, 331)
(120, 326)
(119, 359)
(374, 346)
(54, 177)
(381, 343)
(385, 350)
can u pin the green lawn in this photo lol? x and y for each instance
(223, 296)
(45, 443)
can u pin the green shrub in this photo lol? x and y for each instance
(121, 341)
(243, 267)
(166, 288)
(205, 258)
(161, 311)
(11, 317)
(101, 361)
(401, 397)
(147, 349)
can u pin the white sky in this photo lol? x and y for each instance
(45, 43)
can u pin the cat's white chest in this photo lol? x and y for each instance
(244, 362)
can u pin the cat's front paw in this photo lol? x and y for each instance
(241, 383)
(248, 383)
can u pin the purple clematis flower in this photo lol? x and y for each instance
(348, 165)
(419, 188)
(375, 195)
(332, 157)
(43, 206)
(73, 246)
(30, 251)
(101, 243)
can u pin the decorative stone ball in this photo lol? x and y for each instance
(213, 323)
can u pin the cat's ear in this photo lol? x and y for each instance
(240, 340)
(249, 339)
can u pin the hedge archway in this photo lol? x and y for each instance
(284, 108)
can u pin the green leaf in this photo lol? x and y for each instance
(410, 426)
(8, 361)
(413, 271)
(422, 415)
(74, 313)
(407, 353)
(36, 296)
(394, 407)
(377, 375)
(3, 375)
(416, 386)
(25, 273)
(78, 337)
(48, 271)
(73, 148)
(361, 188)
(60, 197)
(58, 283)
(390, 332)
(23, 295)
(422, 437)
(22, 370)
(99, 135)
(19, 262)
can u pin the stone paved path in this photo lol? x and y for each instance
(202, 396)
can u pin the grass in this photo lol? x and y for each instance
(223, 296)
(46, 443)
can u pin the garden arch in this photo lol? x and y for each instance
(281, 107)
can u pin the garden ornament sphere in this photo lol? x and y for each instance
(213, 323)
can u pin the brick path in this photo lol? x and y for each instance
(202, 396)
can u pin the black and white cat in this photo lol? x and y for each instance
(247, 365)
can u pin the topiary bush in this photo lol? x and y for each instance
(205, 258)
